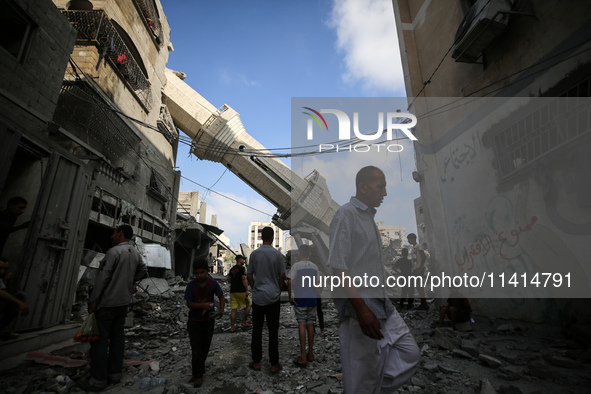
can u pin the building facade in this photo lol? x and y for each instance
(189, 203)
(254, 235)
(500, 90)
(391, 233)
(87, 140)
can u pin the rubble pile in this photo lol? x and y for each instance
(504, 357)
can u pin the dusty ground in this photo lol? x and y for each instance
(511, 357)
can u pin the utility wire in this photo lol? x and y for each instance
(222, 195)
(428, 81)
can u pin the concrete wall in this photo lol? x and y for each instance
(477, 218)
(29, 88)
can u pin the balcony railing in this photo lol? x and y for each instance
(95, 25)
(166, 125)
(150, 16)
(82, 111)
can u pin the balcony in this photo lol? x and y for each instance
(166, 125)
(151, 19)
(84, 113)
(96, 26)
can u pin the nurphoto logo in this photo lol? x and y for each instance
(402, 121)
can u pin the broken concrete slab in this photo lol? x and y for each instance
(154, 286)
(564, 362)
(490, 361)
(442, 339)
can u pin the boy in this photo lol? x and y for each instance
(199, 296)
(404, 266)
(304, 303)
(238, 292)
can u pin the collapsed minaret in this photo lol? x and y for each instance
(304, 206)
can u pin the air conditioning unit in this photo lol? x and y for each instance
(485, 20)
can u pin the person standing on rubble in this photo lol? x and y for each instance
(265, 274)
(418, 268)
(199, 296)
(378, 352)
(109, 300)
(239, 296)
(301, 278)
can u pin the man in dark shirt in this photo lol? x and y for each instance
(239, 296)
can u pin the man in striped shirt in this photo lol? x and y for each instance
(378, 352)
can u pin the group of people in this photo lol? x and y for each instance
(378, 352)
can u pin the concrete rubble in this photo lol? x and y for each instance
(513, 357)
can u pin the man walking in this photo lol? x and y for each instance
(378, 352)
(109, 300)
(239, 296)
(265, 274)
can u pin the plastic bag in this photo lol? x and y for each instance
(89, 331)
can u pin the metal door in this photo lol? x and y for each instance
(54, 249)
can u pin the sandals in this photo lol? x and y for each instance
(254, 366)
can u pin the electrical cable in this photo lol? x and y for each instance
(226, 197)
(441, 62)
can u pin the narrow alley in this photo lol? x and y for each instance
(496, 356)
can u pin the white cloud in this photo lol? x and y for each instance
(366, 33)
(229, 78)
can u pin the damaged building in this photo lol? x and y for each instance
(501, 93)
(88, 142)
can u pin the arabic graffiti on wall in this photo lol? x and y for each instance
(504, 245)
(460, 156)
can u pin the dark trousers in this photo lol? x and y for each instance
(11, 310)
(106, 354)
(407, 293)
(320, 313)
(271, 314)
(200, 335)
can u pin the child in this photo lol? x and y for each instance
(304, 303)
(199, 296)
(404, 266)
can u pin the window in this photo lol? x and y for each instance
(547, 128)
(15, 29)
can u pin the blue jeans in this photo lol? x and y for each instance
(106, 354)
(271, 313)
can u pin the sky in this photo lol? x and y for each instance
(256, 56)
